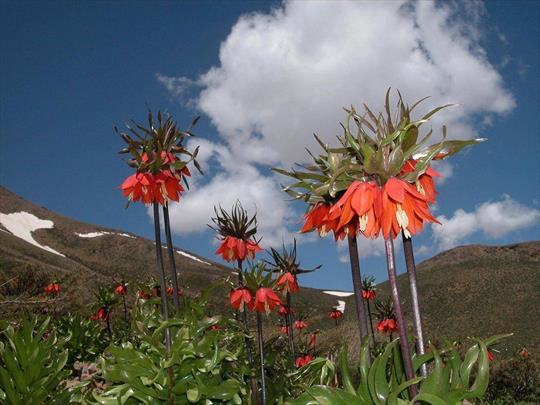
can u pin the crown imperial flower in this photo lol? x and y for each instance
(300, 324)
(121, 289)
(387, 326)
(52, 288)
(288, 283)
(303, 360)
(239, 298)
(265, 300)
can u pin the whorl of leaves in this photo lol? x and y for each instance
(376, 149)
(237, 223)
(161, 136)
(383, 144)
(385, 309)
(368, 283)
(286, 262)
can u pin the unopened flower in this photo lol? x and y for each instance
(491, 355)
(283, 311)
(284, 329)
(313, 340)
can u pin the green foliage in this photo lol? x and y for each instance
(161, 135)
(284, 380)
(85, 339)
(384, 382)
(286, 262)
(32, 361)
(203, 366)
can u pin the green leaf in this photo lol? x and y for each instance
(429, 399)
(393, 397)
(344, 369)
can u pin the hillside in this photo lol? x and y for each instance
(466, 291)
(94, 255)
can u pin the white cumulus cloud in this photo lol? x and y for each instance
(286, 74)
(491, 219)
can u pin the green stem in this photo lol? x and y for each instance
(261, 354)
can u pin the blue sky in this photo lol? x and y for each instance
(263, 84)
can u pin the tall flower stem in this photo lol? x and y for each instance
(357, 285)
(261, 354)
(161, 271)
(249, 352)
(370, 321)
(402, 326)
(417, 317)
(108, 322)
(289, 324)
(125, 308)
(170, 252)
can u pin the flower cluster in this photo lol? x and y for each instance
(237, 233)
(369, 291)
(149, 188)
(233, 249)
(300, 324)
(335, 314)
(387, 325)
(121, 290)
(156, 155)
(170, 291)
(52, 288)
(264, 299)
(283, 311)
(369, 294)
(372, 209)
(102, 314)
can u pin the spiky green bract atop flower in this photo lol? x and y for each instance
(237, 223)
(383, 144)
(152, 145)
(319, 182)
(286, 261)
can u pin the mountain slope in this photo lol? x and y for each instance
(480, 291)
(466, 291)
(96, 255)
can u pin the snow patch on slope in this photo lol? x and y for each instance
(22, 224)
(340, 306)
(192, 257)
(102, 233)
(339, 293)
